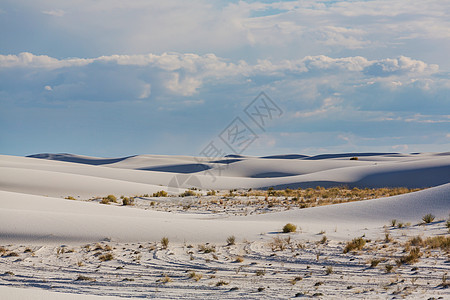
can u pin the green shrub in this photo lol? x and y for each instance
(289, 227)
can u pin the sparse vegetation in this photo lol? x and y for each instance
(166, 279)
(160, 194)
(195, 276)
(411, 258)
(108, 199)
(388, 268)
(355, 244)
(442, 242)
(222, 282)
(374, 262)
(188, 193)
(106, 257)
(84, 278)
(206, 248)
(127, 201)
(239, 259)
(279, 243)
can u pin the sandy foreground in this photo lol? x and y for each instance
(63, 249)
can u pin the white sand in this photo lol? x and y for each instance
(32, 211)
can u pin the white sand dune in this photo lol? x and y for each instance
(87, 177)
(41, 219)
(32, 212)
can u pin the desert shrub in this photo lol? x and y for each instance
(374, 262)
(160, 194)
(165, 242)
(416, 241)
(428, 218)
(104, 201)
(439, 241)
(195, 276)
(329, 270)
(222, 282)
(289, 227)
(354, 158)
(260, 272)
(127, 201)
(280, 244)
(84, 278)
(12, 254)
(70, 198)
(388, 268)
(387, 237)
(411, 258)
(206, 248)
(231, 240)
(355, 244)
(211, 193)
(239, 259)
(324, 239)
(106, 257)
(111, 198)
(166, 279)
(188, 193)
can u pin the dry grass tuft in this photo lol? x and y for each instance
(355, 244)
(106, 257)
(165, 242)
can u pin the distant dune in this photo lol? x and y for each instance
(66, 174)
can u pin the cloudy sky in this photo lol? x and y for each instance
(115, 77)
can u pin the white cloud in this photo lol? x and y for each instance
(324, 84)
(146, 91)
(54, 12)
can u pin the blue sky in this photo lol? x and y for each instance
(114, 78)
